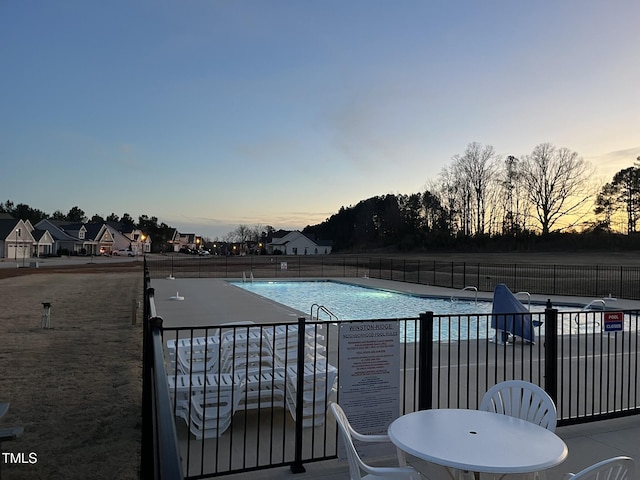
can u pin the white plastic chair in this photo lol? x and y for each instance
(616, 468)
(521, 399)
(356, 465)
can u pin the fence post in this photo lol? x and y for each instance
(551, 351)
(296, 466)
(425, 360)
(452, 267)
(464, 274)
(146, 453)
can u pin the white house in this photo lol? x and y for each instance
(185, 240)
(296, 243)
(43, 243)
(16, 241)
(94, 238)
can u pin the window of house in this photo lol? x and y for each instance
(81, 235)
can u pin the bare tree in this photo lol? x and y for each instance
(242, 233)
(448, 192)
(475, 170)
(556, 182)
(511, 199)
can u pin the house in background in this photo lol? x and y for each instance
(297, 243)
(16, 241)
(139, 242)
(44, 243)
(94, 238)
(62, 241)
(189, 241)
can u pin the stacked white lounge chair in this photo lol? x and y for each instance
(245, 368)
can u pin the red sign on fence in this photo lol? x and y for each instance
(613, 321)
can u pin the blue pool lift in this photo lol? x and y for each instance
(509, 317)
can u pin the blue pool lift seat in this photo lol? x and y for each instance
(510, 317)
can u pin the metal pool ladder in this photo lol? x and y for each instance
(317, 308)
(474, 289)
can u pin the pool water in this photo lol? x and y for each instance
(468, 318)
(353, 302)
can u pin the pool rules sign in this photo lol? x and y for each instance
(369, 379)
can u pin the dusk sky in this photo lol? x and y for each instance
(209, 114)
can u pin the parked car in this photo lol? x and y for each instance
(122, 253)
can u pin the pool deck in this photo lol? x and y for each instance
(210, 301)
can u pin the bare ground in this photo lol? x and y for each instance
(75, 388)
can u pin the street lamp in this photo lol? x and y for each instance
(15, 249)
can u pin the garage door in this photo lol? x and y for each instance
(17, 251)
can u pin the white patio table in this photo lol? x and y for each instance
(477, 441)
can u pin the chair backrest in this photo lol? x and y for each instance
(355, 462)
(616, 468)
(521, 399)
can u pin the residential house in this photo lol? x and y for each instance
(44, 243)
(140, 243)
(63, 241)
(297, 243)
(181, 241)
(16, 241)
(94, 238)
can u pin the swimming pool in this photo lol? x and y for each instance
(346, 301)
(468, 319)
(354, 302)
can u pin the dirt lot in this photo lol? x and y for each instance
(75, 388)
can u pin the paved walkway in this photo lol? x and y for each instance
(214, 301)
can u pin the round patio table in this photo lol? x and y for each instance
(477, 441)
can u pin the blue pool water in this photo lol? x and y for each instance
(352, 302)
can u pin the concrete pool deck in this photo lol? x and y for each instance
(214, 301)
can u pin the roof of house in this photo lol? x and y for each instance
(53, 226)
(7, 225)
(38, 234)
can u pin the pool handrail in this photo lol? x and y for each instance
(468, 288)
(528, 297)
(321, 308)
(589, 308)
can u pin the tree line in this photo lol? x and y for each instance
(482, 199)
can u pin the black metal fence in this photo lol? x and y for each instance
(237, 402)
(579, 280)
(160, 457)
